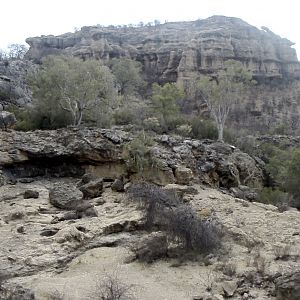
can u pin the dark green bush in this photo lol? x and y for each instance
(203, 129)
(273, 196)
(125, 116)
(31, 119)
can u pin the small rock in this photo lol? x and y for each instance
(229, 288)
(86, 178)
(49, 231)
(217, 297)
(183, 175)
(31, 194)
(92, 189)
(20, 229)
(118, 185)
(26, 180)
(100, 201)
(288, 286)
(245, 296)
(204, 296)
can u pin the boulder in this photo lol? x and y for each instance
(7, 120)
(31, 194)
(288, 286)
(92, 189)
(152, 247)
(118, 185)
(244, 192)
(65, 196)
(183, 175)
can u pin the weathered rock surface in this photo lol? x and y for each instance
(13, 87)
(288, 287)
(7, 120)
(100, 152)
(68, 256)
(176, 50)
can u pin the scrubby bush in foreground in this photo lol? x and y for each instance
(164, 209)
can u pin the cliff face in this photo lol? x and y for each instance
(175, 51)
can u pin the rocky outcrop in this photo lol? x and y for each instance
(13, 86)
(103, 153)
(7, 120)
(288, 287)
(176, 51)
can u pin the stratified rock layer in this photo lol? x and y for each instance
(176, 51)
(102, 153)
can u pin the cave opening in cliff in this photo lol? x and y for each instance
(45, 167)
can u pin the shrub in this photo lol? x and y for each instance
(138, 153)
(110, 287)
(203, 129)
(292, 179)
(125, 116)
(183, 225)
(152, 200)
(273, 196)
(195, 234)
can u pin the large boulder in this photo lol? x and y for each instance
(288, 287)
(7, 120)
(65, 196)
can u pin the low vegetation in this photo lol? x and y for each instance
(164, 210)
(111, 287)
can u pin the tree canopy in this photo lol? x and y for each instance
(128, 74)
(164, 99)
(65, 83)
(223, 91)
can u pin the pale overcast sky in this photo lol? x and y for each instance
(26, 18)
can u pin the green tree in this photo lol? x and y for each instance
(128, 74)
(223, 91)
(65, 83)
(292, 180)
(164, 99)
(17, 51)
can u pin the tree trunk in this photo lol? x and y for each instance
(79, 117)
(220, 132)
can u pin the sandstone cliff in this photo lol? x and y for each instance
(174, 51)
(179, 51)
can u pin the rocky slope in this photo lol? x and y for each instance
(65, 220)
(43, 251)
